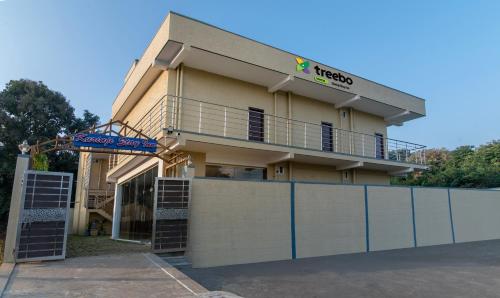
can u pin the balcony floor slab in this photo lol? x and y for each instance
(253, 153)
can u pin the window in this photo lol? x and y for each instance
(326, 136)
(256, 124)
(379, 146)
(236, 172)
(280, 171)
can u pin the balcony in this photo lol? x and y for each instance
(209, 119)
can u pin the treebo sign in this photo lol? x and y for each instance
(336, 76)
(323, 76)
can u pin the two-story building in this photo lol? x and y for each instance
(237, 108)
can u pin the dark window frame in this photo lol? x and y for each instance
(379, 146)
(234, 171)
(326, 143)
(255, 124)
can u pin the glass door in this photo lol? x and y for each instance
(136, 219)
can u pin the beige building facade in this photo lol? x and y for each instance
(239, 109)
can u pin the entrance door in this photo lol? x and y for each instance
(136, 218)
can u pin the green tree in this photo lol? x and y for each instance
(482, 169)
(30, 111)
(466, 167)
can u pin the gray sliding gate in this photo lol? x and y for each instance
(43, 219)
(170, 215)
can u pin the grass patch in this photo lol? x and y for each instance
(80, 246)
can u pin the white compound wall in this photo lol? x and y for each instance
(237, 222)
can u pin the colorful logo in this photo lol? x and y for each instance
(302, 65)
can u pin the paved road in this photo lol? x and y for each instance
(461, 270)
(126, 275)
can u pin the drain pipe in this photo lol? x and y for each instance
(351, 124)
(275, 114)
(180, 93)
(289, 122)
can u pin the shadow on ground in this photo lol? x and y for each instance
(460, 270)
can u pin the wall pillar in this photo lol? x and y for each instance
(22, 165)
(117, 211)
(161, 168)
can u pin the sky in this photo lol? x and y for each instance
(447, 52)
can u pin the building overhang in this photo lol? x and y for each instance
(133, 163)
(274, 81)
(201, 46)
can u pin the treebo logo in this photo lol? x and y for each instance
(332, 75)
(323, 76)
(302, 65)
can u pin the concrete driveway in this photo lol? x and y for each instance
(460, 270)
(126, 275)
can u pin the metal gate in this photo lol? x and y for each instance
(171, 202)
(43, 219)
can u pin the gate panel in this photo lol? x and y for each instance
(43, 220)
(172, 197)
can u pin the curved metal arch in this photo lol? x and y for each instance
(65, 143)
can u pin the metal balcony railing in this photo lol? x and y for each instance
(203, 117)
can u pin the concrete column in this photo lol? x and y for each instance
(22, 165)
(161, 167)
(117, 211)
(80, 211)
(190, 171)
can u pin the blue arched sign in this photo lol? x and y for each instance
(96, 140)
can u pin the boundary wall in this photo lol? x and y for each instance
(244, 221)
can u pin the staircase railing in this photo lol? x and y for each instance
(99, 198)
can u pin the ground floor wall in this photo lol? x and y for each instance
(235, 222)
(371, 177)
(299, 171)
(312, 172)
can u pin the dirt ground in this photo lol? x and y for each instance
(81, 246)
